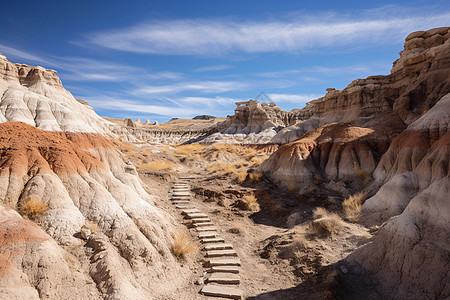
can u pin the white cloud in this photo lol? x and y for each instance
(12, 53)
(215, 37)
(213, 68)
(185, 107)
(199, 86)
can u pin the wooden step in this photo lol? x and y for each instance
(200, 220)
(224, 278)
(218, 246)
(191, 210)
(184, 206)
(196, 215)
(207, 234)
(212, 240)
(203, 224)
(224, 269)
(181, 202)
(206, 228)
(219, 253)
(227, 261)
(221, 291)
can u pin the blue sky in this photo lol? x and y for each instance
(162, 59)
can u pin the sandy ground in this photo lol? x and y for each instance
(260, 238)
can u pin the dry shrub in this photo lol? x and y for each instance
(237, 228)
(146, 152)
(182, 245)
(325, 223)
(249, 202)
(189, 150)
(223, 168)
(352, 206)
(292, 187)
(241, 176)
(157, 165)
(365, 176)
(127, 148)
(255, 176)
(93, 227)
(33, 208)
(299, 244)
(349, 122)
(318, 180)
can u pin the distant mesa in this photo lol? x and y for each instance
(203, 117)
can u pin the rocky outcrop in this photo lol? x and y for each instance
(336, 151)
(395, 129)
(410, 256)
(418, 79)
(170, 136)
(252, 123)
(35, 96)
(81, 179)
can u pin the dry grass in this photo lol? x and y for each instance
(318, 180)
(365, 176)
(237, 228)
(255, 176)
(241, 176)
(352, 206)
(189, 150)
(33, 208)
(249, 202)
(182, 245)
(157, 165)
(299, 244)
(93, 227)
(292, 187)
(325, 223)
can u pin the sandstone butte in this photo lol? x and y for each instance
(391, 130)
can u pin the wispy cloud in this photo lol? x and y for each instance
(198, 86)
(13, 53)
(215, 37)
(90, 69)
(213, 68)
(186, 107)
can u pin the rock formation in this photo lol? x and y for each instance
(80, 178)
(394, 129)
(35, 96)
(252, 123)
(93, 232)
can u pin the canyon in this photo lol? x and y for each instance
(87, 205)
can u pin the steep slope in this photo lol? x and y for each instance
(418, 79)
(82, 179)
(410, 254)
(336, 151)
(36, 96)
(395, 128)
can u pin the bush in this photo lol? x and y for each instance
(352, 206)
(318, 180)
(189, 150)
(157, 165)
(33, 208)
(255, 176)
(241, 176)
(249, 202)
(325, 223)
(93, 227)
(292, 187)
(365, 176)
(182, 245)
